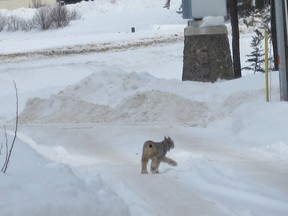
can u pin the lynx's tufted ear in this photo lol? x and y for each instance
(171, 142)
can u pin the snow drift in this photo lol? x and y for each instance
(31, 188)
(99, 99)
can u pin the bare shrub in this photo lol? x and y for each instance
(42, 19)
(45, 18)
(13, 23)
(2, 22)
(26, 24)
(60, 16)
(74, 15)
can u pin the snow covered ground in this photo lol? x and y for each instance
(87, 108)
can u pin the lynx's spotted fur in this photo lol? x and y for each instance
(156, 151)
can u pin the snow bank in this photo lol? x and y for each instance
(52, 189)
(118, 97)
(265, 120)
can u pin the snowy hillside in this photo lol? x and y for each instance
(92, 93)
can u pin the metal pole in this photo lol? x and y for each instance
(281, 49)
(266, 65)
(286, 18)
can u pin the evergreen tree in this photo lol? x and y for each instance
(257, 55)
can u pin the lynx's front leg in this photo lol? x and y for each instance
(154, 165)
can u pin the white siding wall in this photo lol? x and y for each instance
(13, 4)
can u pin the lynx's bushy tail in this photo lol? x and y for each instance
(169, 161)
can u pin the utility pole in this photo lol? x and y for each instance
(281, 29)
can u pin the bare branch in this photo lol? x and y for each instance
(6, 149)
(8, 155)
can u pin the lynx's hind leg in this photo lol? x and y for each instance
(154, 165)
(144, 166)
(169, 161)
(147, 153)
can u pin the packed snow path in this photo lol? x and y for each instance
(208, 180)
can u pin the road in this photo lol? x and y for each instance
(211, 179)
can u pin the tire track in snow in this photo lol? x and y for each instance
(160, 194)
(114, 46)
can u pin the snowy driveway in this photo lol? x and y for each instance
(208, 180)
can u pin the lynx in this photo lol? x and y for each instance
(156, 151)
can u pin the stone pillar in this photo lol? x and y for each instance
(207, 55)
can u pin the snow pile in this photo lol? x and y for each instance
(110, 87)
(53, 188)
(118, 96)
(156, 106)
(125, 97)
(61, 109)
